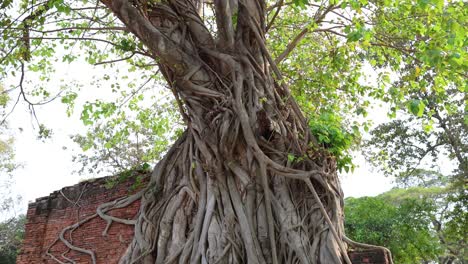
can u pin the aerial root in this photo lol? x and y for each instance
(327, 218)
(190, 212)
(254, 230)
(101, 212)
(255, 202)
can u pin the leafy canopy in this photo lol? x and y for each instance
(11, 236)
(338, 57)
(404, 228)
(427, 220)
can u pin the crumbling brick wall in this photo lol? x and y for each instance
(47, 216)
(369, 256)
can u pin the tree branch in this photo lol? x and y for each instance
(278, 9)
(224, 12)
(167, 50)
(293, 44)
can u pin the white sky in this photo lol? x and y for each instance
(48, 165)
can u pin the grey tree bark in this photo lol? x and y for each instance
(226, 191)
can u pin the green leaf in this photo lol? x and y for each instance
(146, 167)
(301, 3)
(416, 107)
(69, 98)
(355, 35)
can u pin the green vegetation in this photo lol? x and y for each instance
(7, 159)
(418, 224)
(339, 60)
(404, 227)
(11, 236)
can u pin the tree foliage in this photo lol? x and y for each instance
(404, 227)
(431, 205)
(418, 224)
(407, 146)
(414, 49)
(7, 161)
(132, 137)
(425, 147)
(11, 236)
(240, 72)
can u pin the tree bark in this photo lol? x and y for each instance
(228, 190)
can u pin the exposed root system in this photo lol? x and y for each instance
(228, 190)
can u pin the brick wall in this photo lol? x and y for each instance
(47, 216)
(369, 256)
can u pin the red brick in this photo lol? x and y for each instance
(47, 217)
(369, 256)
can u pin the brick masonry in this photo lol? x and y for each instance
(47, 217)
(369, 256)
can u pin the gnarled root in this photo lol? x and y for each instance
(228, 191)
(237, 211)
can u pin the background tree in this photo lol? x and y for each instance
(134, 137)
(446, 212)
(403, 227)
(7, 161)
(426, 151)
(11, 226)
(425, 148)
(418, 224)
(250, 165)
(11, 236)
(404, 147)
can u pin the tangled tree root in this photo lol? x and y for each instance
(186, 215)
(227, 191)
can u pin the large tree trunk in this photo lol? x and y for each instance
(228, 191)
